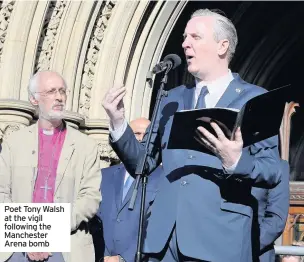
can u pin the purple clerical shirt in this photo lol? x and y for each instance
(50, 146)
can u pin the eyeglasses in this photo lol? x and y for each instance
(53, 92)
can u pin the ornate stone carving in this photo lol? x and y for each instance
(49, 34)
(6, 9)
(7, 129)
(106, 152)
(296, 193)
(92, 55)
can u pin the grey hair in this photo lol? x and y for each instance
(224, 29)
(34, 83)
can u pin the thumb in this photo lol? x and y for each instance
(50, 254)
(238, 135)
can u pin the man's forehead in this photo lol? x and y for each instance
(51, 81)
(139, 125)
(199, 24)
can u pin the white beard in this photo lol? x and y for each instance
(55, 115)
(51, 115)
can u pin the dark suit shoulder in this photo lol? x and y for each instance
(157, 172)
(155, 178)
(176, 91)
(111, 169)
(108, 176)
(173, 94)
(251, 91)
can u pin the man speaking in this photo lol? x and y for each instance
(202, 210)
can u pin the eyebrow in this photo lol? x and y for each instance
(193, 34)
(59, 87)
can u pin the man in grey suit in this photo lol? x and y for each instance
(202, 211)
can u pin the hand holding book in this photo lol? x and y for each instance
(227, 150)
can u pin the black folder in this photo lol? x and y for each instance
(259, 119)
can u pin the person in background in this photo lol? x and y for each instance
(51, 162)
(289, 258)
(270, 215)
(120, 225)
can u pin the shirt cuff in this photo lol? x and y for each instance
(230, 170)
(116, 134)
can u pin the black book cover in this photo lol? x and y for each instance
(259, 119)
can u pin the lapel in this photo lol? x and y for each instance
(234, 89)
(33, 152)
(65, 156)
(118, 184)
(128, 195)
(188, 98)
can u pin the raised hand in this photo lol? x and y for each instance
(114, 106)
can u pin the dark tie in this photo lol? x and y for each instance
(201, 98)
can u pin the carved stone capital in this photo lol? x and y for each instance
(296, 193)
(98, 130)
(6, 129)
(74, 119)
(14, 115)
(106, 151)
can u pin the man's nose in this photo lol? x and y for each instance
(58, 96)
(185, 43)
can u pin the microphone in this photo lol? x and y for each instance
(171, 61)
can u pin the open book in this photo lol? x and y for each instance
(259, 119)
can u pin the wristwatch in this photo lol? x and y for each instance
(121, 259)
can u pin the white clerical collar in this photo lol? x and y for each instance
(216, 85)
(48, 132)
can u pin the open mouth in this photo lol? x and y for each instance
(189, 58)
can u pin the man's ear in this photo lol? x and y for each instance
(33, 100)
(222, 47)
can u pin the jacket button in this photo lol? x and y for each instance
(118, 220)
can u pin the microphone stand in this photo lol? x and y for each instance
(141, 171)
